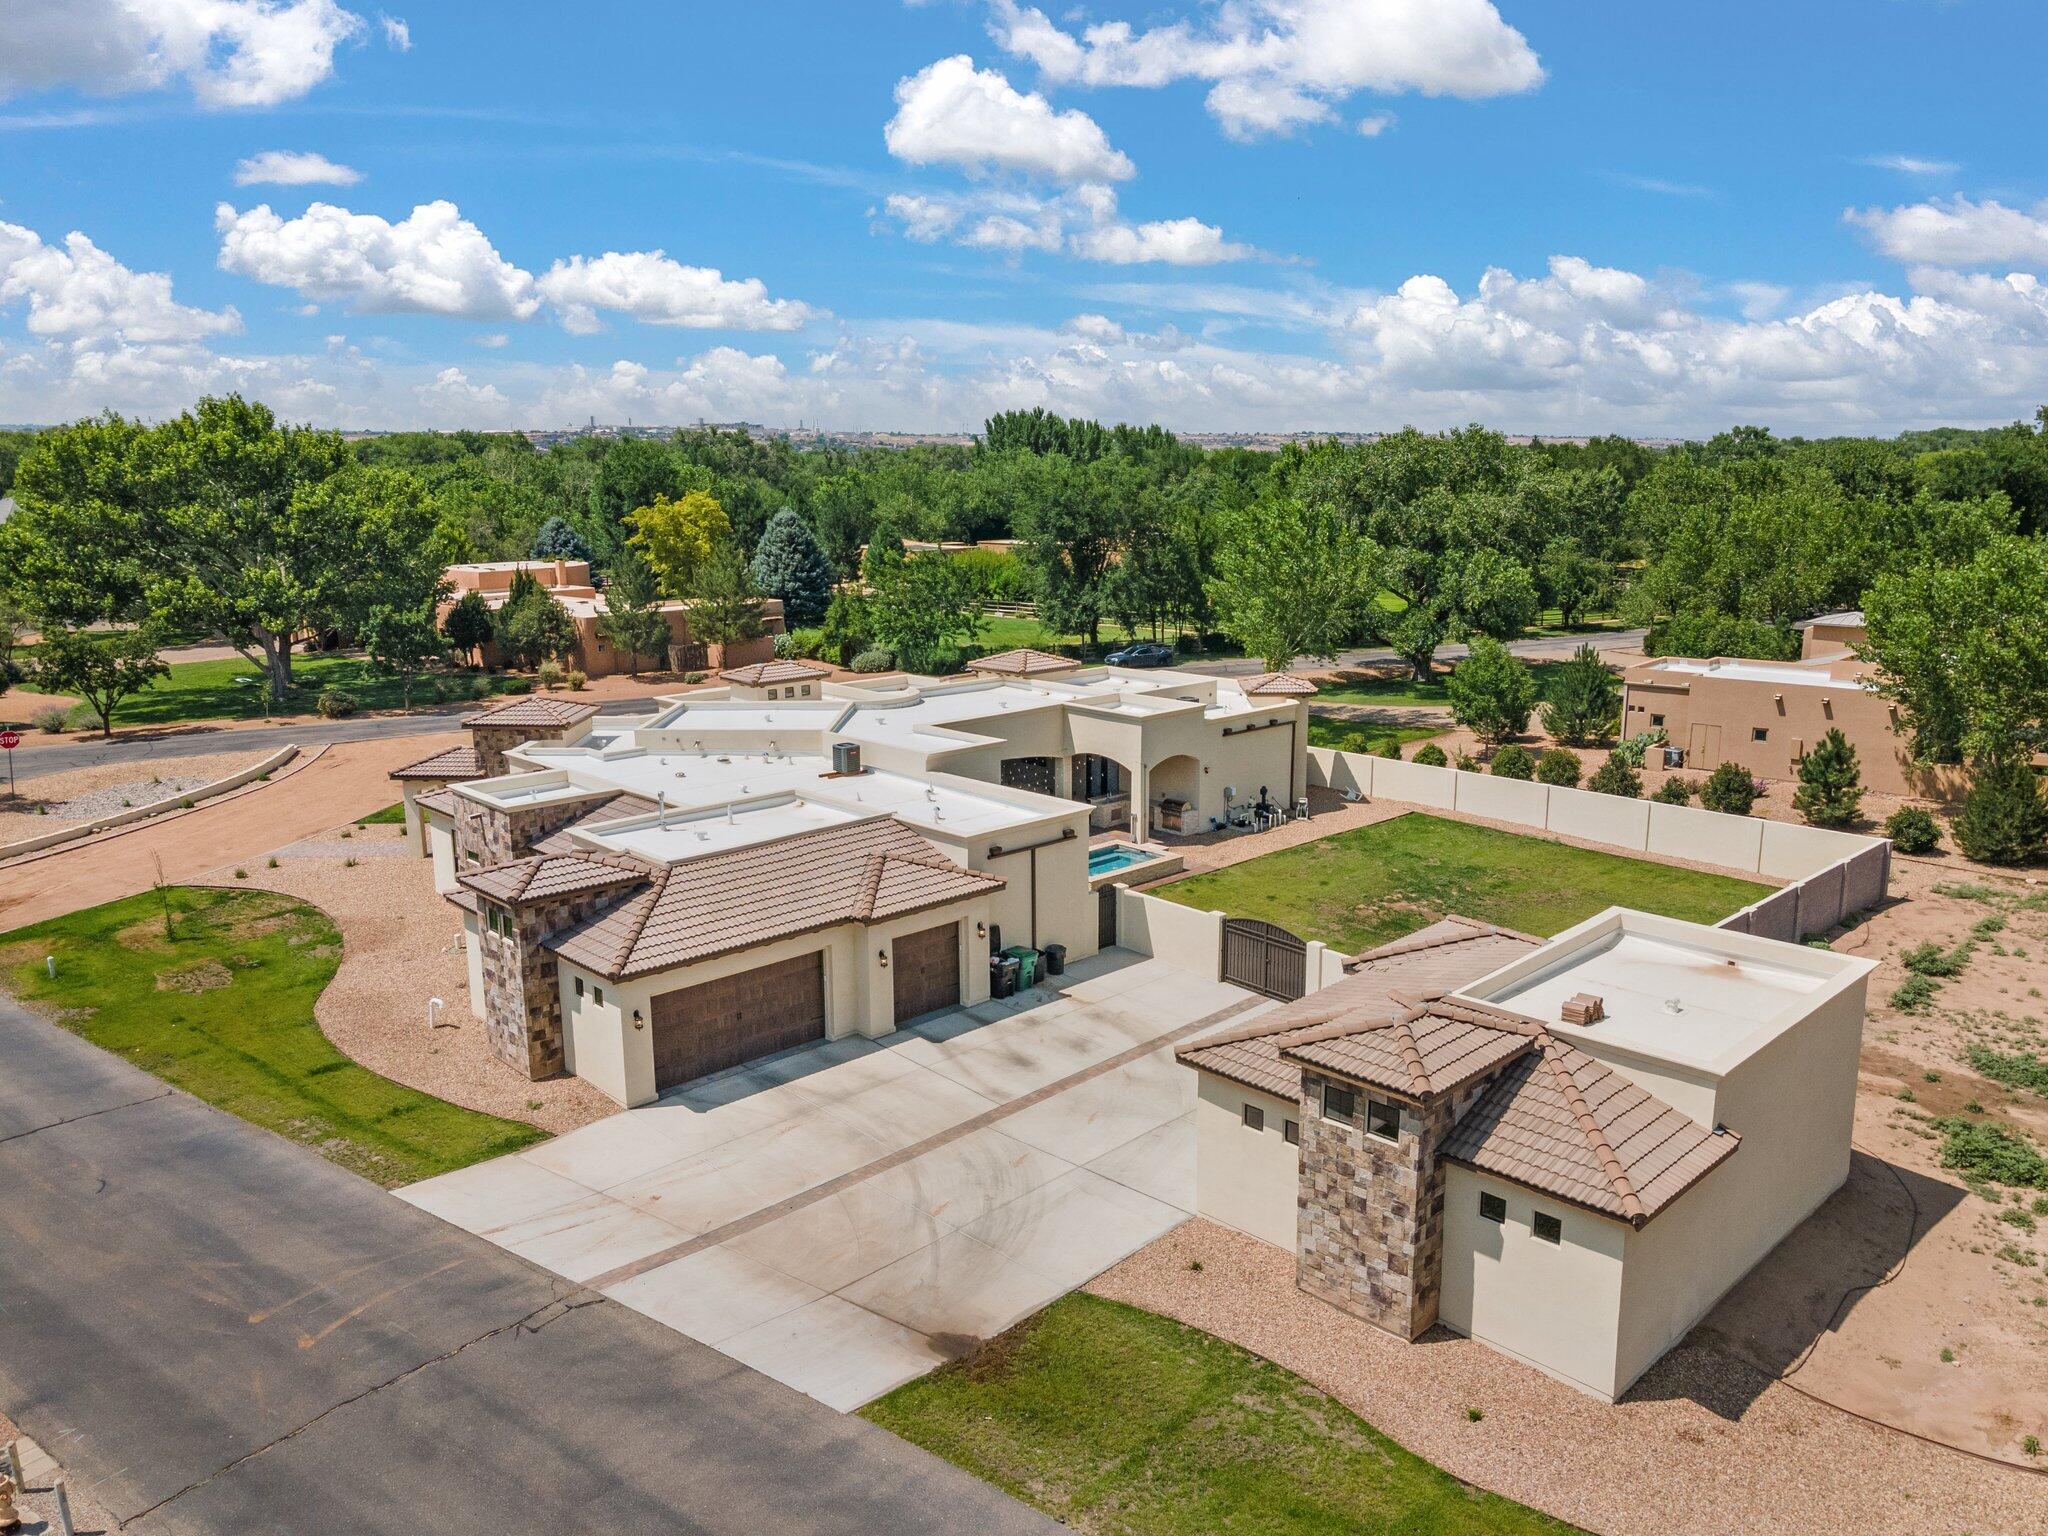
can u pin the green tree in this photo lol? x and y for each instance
(632, 473)
(556, 540)
(1572, 580)
(1616, 777)
(790, 565)
(102, 667)
(634, 621)
(402, 641)
(1292, 578)
(1559, 767)
(1729, 789)
(469, 626)
(917, 605)
(532, 627)
(679, 538)
(1830, 783)
(1492, 692)
(2004, 818)
(726, 609)
(1584, 702)
(1513, 762)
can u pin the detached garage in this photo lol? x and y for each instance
(720, 960)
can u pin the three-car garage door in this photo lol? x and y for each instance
(926, 968)
(719, 1024)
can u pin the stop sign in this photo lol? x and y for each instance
(9, 740)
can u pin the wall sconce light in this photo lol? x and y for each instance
(883, 956)
(638, 1022)
(981, 930)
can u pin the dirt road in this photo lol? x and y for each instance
(350, 779)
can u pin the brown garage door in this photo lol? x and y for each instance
(926, 967)
(719, 1024)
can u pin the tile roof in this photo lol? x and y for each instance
(550, 876)
(534, 711)
(863, 871)
(1023, 663)
(1278, 682)
(1561, 1123)
(761, 673)
(620, 807)
(440, 800)
(1443, 956)
(455, 763)
(1428, 1049)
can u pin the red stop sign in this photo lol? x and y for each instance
(9, 740)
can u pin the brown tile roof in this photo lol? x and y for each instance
(1561, 1123)
(1023, 663)
(620, 807)
(864, 871)
(535, 711)
(1443, 956)
(1428, 1049)
(762, 673)
(441, 800)
(1278, 682)
(449, 766)
(548, 877)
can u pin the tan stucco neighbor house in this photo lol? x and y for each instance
(1766, 715)
(1569, 1150)
(646, 900)
(568, 583)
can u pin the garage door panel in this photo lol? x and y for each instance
(723, 1023)
(926, 971)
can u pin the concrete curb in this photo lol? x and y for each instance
(130, 820)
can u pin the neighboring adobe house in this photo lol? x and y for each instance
(652, 899)
(1439, 1138)
(568, 583)
(1766, 715)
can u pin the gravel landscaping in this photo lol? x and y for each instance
(50, 801)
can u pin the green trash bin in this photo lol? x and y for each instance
(1027, 964)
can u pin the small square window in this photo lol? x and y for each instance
(1254, 1118)
(1340, 1104)
(1292, 1131)
(1549, 1228)
(1656, 720)
(1492, 1207)
(1759, 733)
(1382, 1120)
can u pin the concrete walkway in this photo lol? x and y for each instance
(215, 1330)
(847, 1216)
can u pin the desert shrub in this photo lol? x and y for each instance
(1560, 767)
(1615, 777)
(1913, 830)
(1914, 994)
(517, 685)
(2003, 818)
(876, 658)
(1674, 792)
(1467, 763)
(51, 719)
(1729, 789)
(336, 703)
(1930, 959)
(1513, 762)
(2017, 1069)
(1391, 747)
(1988, 1153)
(574, 679)
(549, 674)
(1430, 755)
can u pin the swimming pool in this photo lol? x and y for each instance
(1113, 856)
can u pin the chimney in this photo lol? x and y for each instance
(1583, 1008)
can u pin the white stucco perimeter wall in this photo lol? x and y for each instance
(1184, 936)
(1246, 1179)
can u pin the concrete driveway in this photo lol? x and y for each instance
(846, 1216)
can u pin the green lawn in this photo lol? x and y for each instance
(1347, 737)
(391, 815)
(224, 1010)
(232, 690)
(1121, 1423)
(1367, 887)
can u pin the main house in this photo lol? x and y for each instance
(786, 858)
(1767, 715)
(568, 583)
(1567, 1150)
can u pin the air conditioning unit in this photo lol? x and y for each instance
(846, 757)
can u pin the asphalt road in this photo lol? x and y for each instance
(1547, 648)
(217, 1331)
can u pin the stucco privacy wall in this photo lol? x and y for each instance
(1851, 873)
(1248, 1178)
(1184, 936)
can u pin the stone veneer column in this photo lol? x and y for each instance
(522, 985)
(1369, 1232)
(493, 742)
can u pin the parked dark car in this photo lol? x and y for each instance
(1145, 653)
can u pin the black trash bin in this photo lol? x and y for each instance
(1002, 976)
(1055, 959)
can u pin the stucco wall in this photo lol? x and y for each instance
(1246, 1179)
(1556, 1306)
(1184, 936)
(441, 847)
(1708, 837)
(1611, 819)
(1498, 799)
(594, 1037)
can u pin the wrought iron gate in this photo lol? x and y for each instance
(1264, 958)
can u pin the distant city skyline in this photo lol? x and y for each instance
(1252, 217)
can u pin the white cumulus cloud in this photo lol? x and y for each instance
(396, 33)
(433, 261)
(77, 292)
(951, 113)
(231, 53)
(650, 287)
(1278, 64)
(1957, 232)
(1181, 242)
(291, 168)
(1082, 220)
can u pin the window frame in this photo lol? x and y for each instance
(1493, 1208)
(1759, 733)
(1347, 1116)
(1290, 1132)
(1252, 1117)
(1374, 1108)
(1539, 1220)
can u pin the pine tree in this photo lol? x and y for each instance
(789, 564)
(556, 540)
(2004, 819)
(1830, 784)
(468, 625)
(1585, 700)
(633, 618)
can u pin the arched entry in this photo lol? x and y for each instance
(1174, 788)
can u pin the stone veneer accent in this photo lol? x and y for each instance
(486, 836)
(522, 987)
(494, 741)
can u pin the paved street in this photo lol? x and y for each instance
(217, 1331)
(1544, 648)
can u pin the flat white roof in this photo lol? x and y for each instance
(1780, 672)
(675, 837)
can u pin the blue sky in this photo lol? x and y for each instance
(1246, 215)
